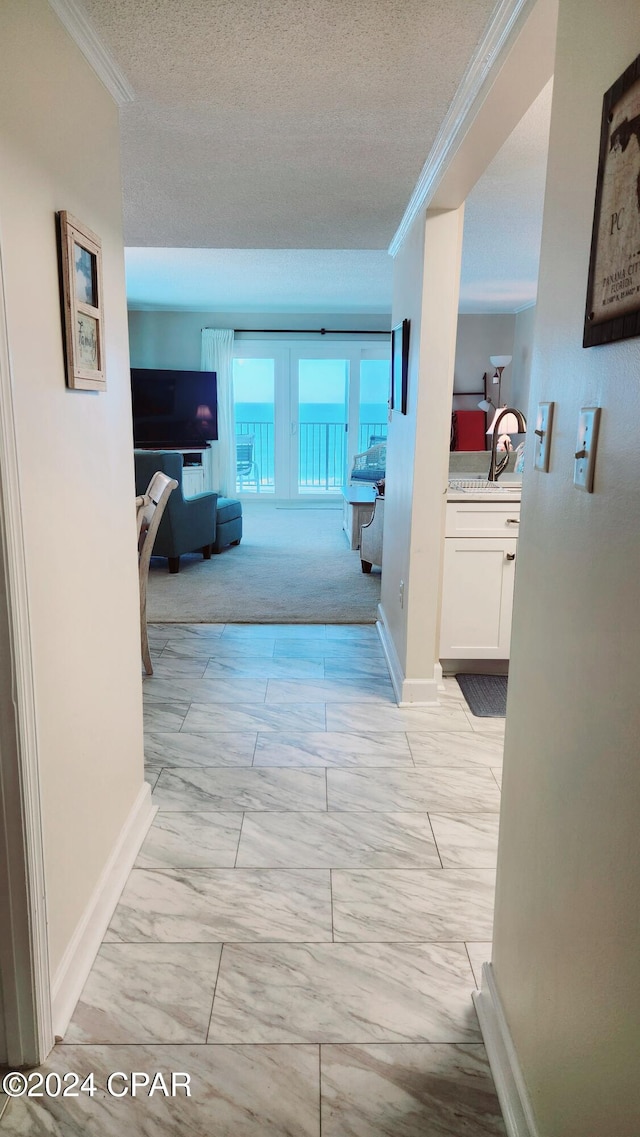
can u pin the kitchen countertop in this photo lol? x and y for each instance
(511, 492)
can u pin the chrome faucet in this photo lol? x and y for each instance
(496, 468)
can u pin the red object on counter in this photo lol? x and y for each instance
(469, 430)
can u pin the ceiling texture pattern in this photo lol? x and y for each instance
(260, 280)
(281, 124)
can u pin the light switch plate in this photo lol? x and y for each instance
(586, 443)
(544, 424)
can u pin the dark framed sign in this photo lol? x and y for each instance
(400, 366)
(613, 290)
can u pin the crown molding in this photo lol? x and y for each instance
(501, 32)
(82, 31)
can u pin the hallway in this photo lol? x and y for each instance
(308, 916)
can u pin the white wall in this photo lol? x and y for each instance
(522, 355)
(478, 338)
(566, 956)
(172, 339)
(426, 281)
(59, 149)
(408, 271)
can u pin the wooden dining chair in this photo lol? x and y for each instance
(149, 509)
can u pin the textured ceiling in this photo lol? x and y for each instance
(503, 219)
(260, 280)
(281, 123)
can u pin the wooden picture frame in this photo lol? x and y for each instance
(613, 290)
(400, 366)
(80, 252)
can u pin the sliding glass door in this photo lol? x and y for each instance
(255, 407)
(319, 418)
(373, 402)
(302, 411)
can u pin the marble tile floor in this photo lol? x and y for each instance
(309, 913)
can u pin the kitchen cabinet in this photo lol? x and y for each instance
(479, 569)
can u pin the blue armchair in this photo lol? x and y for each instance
(188, 524)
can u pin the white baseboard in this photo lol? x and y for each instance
(79, 957)
(390, 653)
(408, 692)
(510, 1085)
(421, 692)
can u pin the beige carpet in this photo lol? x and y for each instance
(293, 566)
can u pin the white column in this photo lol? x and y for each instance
(426, 287)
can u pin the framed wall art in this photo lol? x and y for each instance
(400, 366)
(80, 252)
(613, 290)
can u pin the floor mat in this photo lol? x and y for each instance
(486, 695)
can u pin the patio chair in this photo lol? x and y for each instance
(370, 465)
(246, 465)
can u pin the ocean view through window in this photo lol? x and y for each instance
(298, 427)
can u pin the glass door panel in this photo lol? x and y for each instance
(373, 405)
(320, 419)
(293, 401)
(254, 408)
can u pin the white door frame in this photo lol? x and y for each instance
(26, 1035)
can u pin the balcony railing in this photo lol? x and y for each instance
(370, 433)
(321, 455)
(322, 448)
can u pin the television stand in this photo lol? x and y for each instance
(196, 469)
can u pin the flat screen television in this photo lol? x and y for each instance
(173, 408)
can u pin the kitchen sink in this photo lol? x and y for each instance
(477, 486)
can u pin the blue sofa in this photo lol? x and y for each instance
(188, 524)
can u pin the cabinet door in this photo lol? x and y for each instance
(477, 597)
(192, 481)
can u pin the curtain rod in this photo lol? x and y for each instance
(311, 331)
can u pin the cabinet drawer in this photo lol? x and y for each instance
(482, 519)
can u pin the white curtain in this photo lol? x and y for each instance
(217, 355)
